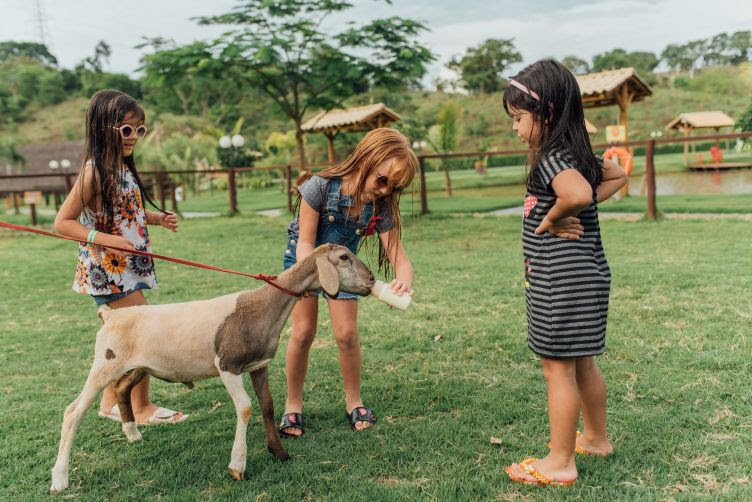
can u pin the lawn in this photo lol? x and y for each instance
(679, 405)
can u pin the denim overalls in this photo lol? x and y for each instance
(334, 227)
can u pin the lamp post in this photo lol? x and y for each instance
(225, 142)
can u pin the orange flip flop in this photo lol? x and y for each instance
(540, 478)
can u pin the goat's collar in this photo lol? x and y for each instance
(270, 280)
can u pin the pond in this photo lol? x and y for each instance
(734, 181)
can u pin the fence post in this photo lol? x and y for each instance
(650, 178)
(33, 208)
(423, 198)
(161, 190)
(288, 174)
(231, 189)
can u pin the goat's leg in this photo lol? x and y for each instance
(234, 385)
(261, 386)
(123, 387)
(99, 377)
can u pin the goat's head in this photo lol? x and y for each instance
(338, 269)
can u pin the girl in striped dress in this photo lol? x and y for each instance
(567, 278)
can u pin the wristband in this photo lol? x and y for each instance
(92, 234)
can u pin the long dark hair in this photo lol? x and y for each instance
(104, 150)
(560, 116)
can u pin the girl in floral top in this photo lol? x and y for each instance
(106, 207)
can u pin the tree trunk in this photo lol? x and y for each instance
(301, 146)
(447, 180)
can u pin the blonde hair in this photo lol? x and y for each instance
(379, 146)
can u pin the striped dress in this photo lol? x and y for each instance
(567, 282)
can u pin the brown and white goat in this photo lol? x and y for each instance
(224, 337)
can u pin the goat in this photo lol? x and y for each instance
(224, 336)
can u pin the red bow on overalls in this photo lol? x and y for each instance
(372, 225)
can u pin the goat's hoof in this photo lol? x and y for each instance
(237, 475)
(131, 432)
(280, 453)
(59, 483)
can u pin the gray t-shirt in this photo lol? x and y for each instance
(314, 192)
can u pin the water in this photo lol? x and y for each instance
(737, 181)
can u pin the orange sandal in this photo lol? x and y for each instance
(541, 479)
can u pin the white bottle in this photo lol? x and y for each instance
(383, 292)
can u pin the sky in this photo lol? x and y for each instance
(540, 28)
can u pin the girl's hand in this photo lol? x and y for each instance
(106, 240)
(566, 228)
(169, 221)
(400, 287)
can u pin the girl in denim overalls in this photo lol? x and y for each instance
(341, 205)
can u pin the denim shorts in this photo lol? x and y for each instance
(290, 259)
(107, 299)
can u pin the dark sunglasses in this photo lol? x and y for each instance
(383, 181)
(127, 131)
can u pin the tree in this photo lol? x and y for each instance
(576, 65)
(445, 135)
(30, 50)
(189, 80)
(717, 50)
(482, 67)
(94, 63)
(684, 57)
(741, 42)
(745, 121)
(280, 48)
(642, 61)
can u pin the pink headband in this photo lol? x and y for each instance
(524, 89)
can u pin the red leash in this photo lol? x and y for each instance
(269, 279)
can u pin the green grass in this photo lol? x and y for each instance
(715, 203)
(677, 363)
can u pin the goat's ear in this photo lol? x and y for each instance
(328, 276)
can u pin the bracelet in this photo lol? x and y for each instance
(92, 234)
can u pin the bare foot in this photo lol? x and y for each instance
(557, 473)
(599, 447)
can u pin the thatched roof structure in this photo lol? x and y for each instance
(619, 87)
(356, 118)
(38, 157)
(701, 120)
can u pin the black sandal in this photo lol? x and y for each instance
(291, 421)
(360, 414)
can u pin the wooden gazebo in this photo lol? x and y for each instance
(698, 120)
(620, 87)
(37, 161)
(358, 118)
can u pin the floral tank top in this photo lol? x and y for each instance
(101, 272)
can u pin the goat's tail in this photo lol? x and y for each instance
(103, 312)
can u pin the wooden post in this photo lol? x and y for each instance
(68, 183)
(288, 174)
(161, 190)
(423, 198)
(16, 210)
(231, 189)
(650, 178)
(57, 201)
(173, 199)
(686, 144)
(330, 139)
(33, 208)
